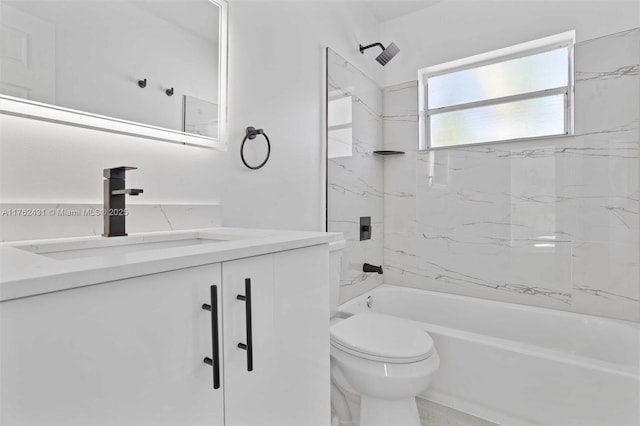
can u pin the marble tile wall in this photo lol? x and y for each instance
(31, 221)
(549, 222)
(355, 179)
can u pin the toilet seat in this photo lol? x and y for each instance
(382, 338)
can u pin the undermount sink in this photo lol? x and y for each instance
(97, 246)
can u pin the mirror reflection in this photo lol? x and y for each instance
(150, 62)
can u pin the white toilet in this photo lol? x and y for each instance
(379, 363)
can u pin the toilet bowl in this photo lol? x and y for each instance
(387, 361)
(379, 363)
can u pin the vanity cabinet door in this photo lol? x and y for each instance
(128, 352)
(289, 382)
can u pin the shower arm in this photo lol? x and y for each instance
(363, 48)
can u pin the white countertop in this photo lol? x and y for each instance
(26, 273)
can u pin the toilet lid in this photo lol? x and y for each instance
(382, 337)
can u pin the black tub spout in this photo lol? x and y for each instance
(372, 268)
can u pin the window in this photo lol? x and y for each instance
(520, 92)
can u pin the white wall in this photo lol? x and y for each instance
(455, 29)
(276, 75)
(43, 162)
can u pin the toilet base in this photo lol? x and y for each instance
(382, 412)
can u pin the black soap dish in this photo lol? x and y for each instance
(386, 152)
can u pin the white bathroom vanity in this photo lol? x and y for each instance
(159, 328)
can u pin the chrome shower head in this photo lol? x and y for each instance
(386, 55)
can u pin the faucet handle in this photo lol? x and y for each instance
(117, 172)
(127, 192)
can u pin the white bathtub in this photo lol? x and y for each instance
(519, 365)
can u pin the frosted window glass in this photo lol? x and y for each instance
(513, 120)
(533, 73)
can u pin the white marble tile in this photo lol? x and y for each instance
(400, 126)
(400, 193)
(400, 117)
(169, 217)
(77, 220)
(605, 278)
(530, 267)
(504, 208)
(401, 260)
(353, 280)
(607, 88)
(400, 101)
(552, 223)
(599, 191)
(355, 182)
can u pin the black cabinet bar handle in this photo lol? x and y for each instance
(215, 362)
(249, 345)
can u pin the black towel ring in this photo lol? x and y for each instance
(251, 133)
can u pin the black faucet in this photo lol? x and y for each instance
(114, 201)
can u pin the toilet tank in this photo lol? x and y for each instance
(335, 260)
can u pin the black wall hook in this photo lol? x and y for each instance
(169, 92)
(142, 83)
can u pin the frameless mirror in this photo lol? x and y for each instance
(155, 68)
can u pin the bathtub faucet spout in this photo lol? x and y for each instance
(371, 268)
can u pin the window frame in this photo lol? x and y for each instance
(546, 44)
